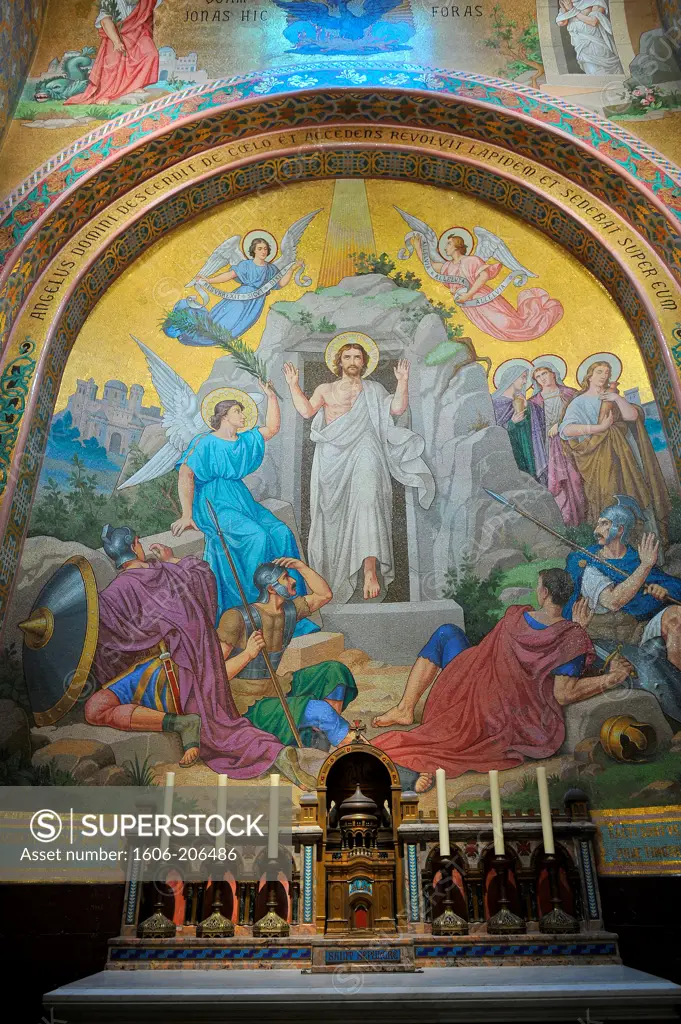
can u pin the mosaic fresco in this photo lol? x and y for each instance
(382, 420)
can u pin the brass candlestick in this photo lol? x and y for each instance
(504, 922)
(158, 926)
(449, 922)
(216, 925)
(557, 920)
(271, 925)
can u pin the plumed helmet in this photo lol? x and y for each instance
(623, 513)
(117, 542)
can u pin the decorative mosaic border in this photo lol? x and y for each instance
(137, 954)
(90, 188)
(423, 167)
(515, 949)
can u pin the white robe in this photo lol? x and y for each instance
(594, 44)
(351, 491)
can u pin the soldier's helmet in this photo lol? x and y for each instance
(117, 542)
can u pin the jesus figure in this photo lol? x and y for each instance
(358, 449)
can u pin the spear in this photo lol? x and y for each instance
(254, 625)
(570, 543)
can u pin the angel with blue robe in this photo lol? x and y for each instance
(254, 267)
(212, 459)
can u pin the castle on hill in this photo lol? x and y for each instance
(117, 419)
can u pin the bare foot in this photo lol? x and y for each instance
(424, 782)
(190, 757)
(372, 587)
(395, 716)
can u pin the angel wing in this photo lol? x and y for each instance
(228, 252)
(289, 246)
(181, 418)
(490, 246)
(423, 229)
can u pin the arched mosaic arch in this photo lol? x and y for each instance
(513, 154)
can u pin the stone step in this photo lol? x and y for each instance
(311, 649)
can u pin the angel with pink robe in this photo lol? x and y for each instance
(552, 396)
(468, 277)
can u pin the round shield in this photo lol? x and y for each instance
(60, 638)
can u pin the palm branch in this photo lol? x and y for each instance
(198, 321)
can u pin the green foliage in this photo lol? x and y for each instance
(521, 47)
(17, 770)
(584, 534)
(305, 319)
(478, 598)
(525, 799)
(12, 683)
(140, 773)
(110, 9)
(26, 111)
(198, 321)
(408, 280)
(370, 263)
(325, 326)
(79, 512)
(103, 113)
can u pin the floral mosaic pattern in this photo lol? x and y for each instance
(560, 136)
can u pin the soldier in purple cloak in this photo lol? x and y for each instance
(173, 601)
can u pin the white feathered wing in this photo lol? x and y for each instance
(228, 253)
(490, 246)
(423, 229)
(289, 247)
(182, 419)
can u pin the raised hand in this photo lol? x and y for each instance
(648, 549)
(267, 388)
(401, 371)
(288, 563)
(291, 373)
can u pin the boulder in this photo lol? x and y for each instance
(68, 753)
(157, 747)
(112, 775)
(516, 595)
(86, 772)
(661, 791)
(14, 729)
(478, 792)
(585, 718)
(587, 750)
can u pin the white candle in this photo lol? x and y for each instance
(545, 808)
(221, 840)
(497, 821)
(168, 804)
(273, 824)
(442, 812)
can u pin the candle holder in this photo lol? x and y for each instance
(158, 926)
(557, 921)
(504, 922)
(449, 922)
(216, 925)
(271, 925)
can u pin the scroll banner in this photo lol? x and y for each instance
(639, 841)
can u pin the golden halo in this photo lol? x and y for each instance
(260, 233)
(463, 233)
(352, 338)
(230, 395)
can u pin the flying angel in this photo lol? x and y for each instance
(459, 261)
(254, 265)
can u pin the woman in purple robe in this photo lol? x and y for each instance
(552, 397)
